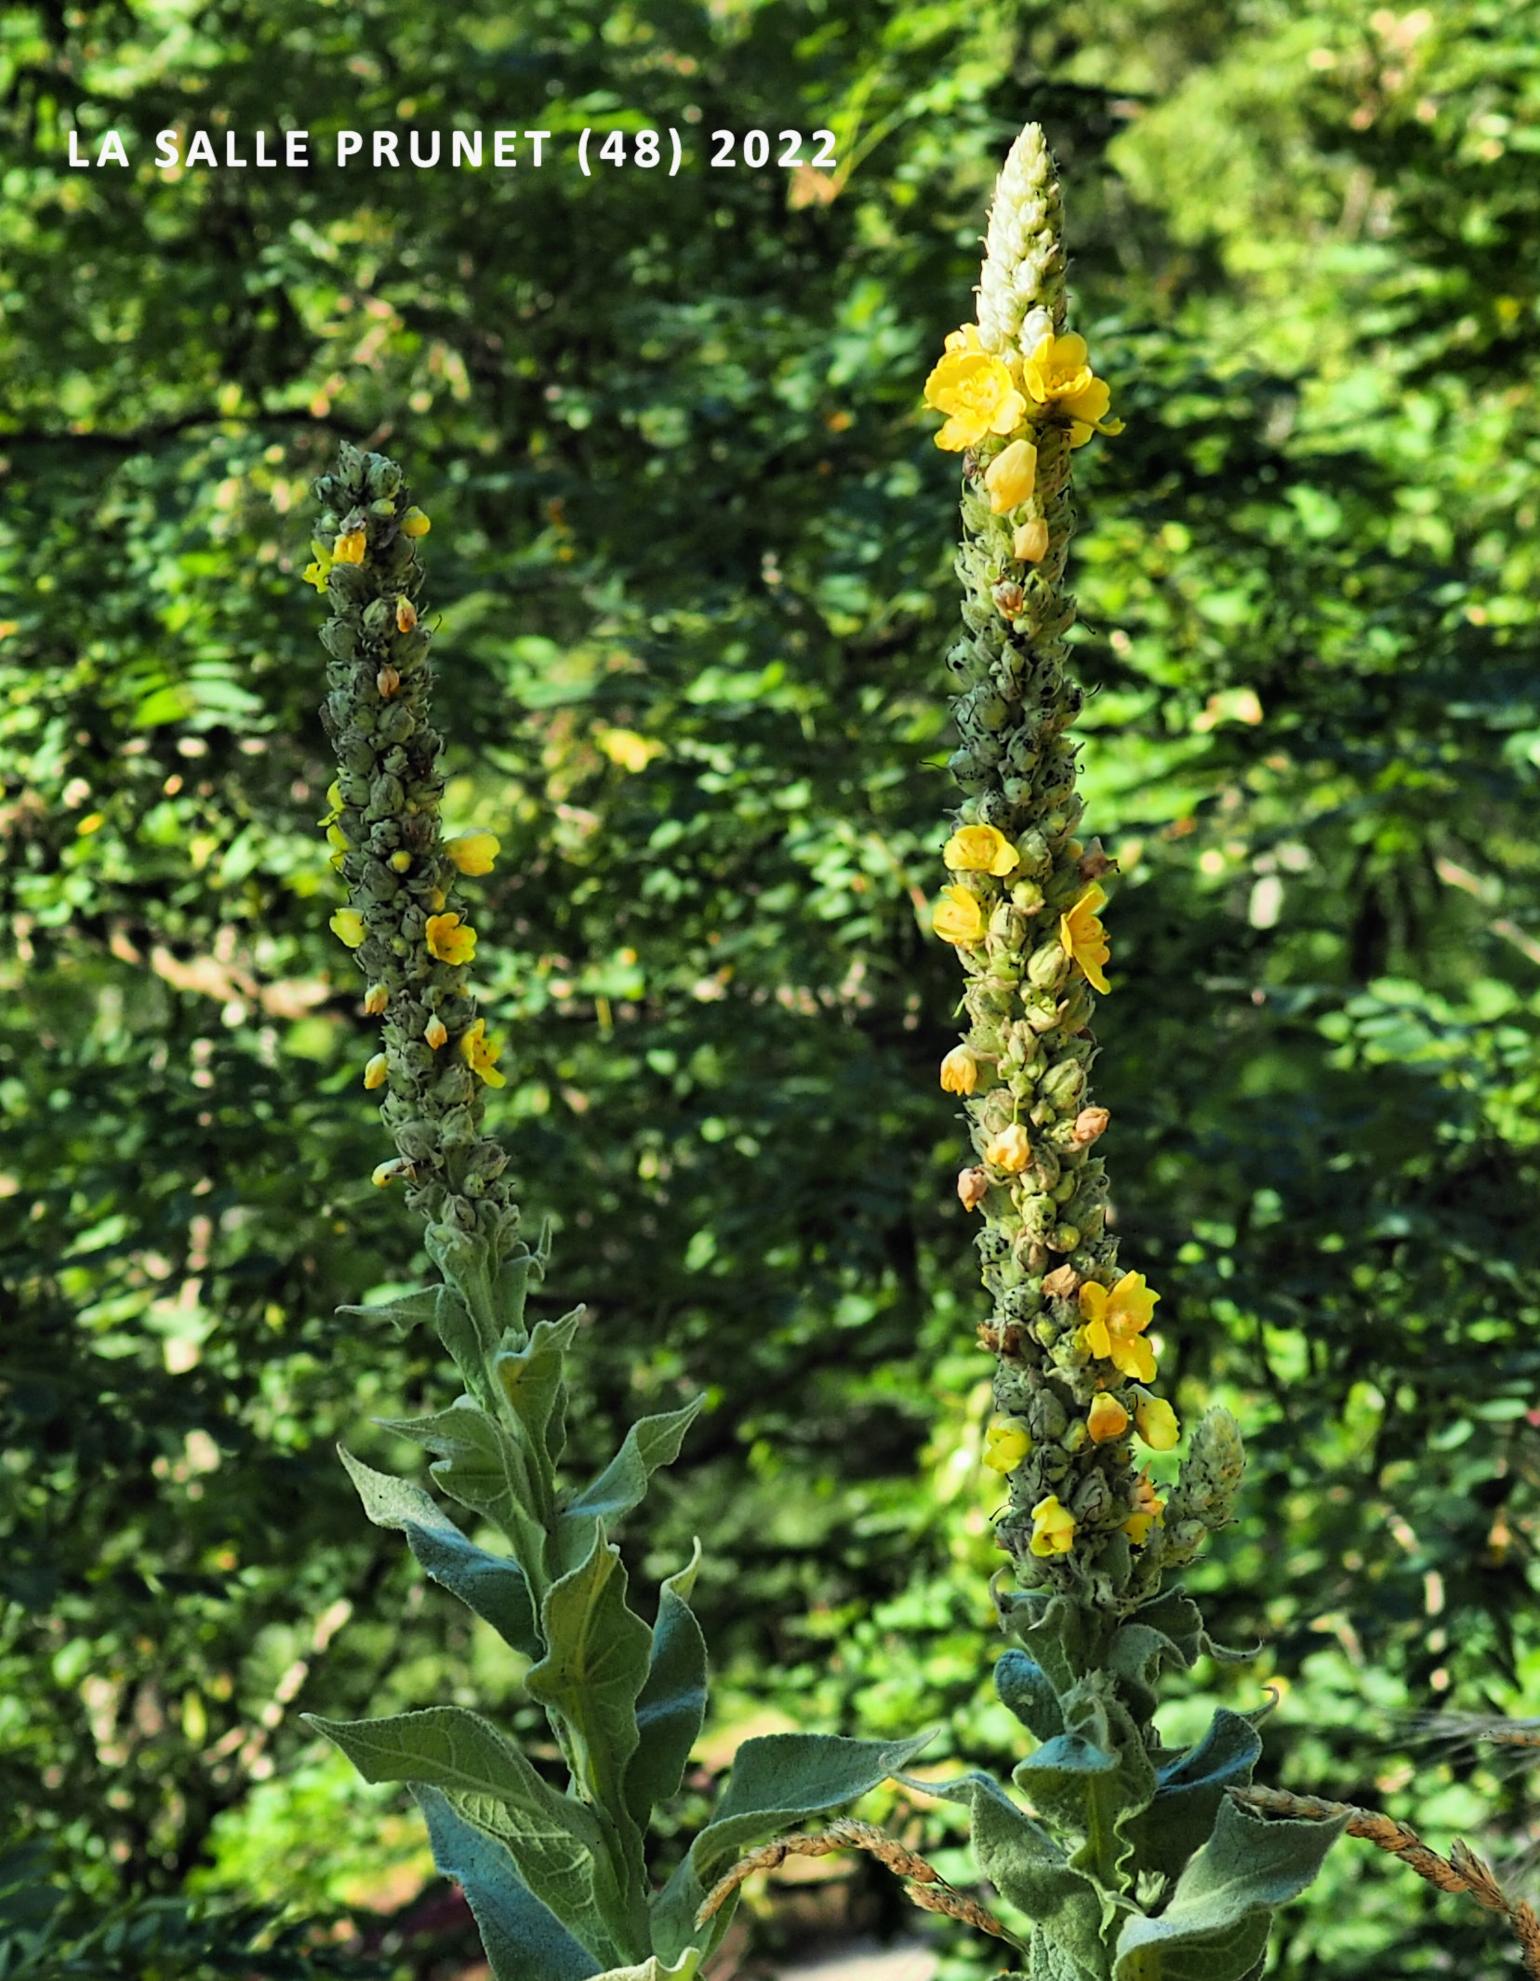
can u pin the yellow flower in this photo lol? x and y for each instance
(975, 390)
(1053, 1527)
(1006, 1443)
(414, 523)
(1115, 1321)
(1011, 476)
(347, 925)
(337, 839)
(1029, 543)
(1156, 1423)
(406, 615)
(474, 852)
(1010, 1149)
(481, 1054)
(350, 547)
(958, 916)
(317, 572)
(1148, 1508)
(959, 1071)
(450, 939)
(1084, 938)
(979, 849)
(1106, 1419)
(436, 1032)
(1058, 376)
(377, 1072)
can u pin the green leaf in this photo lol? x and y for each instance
(1093, 1778)
(532, 1381)
(1032, 1874)
(672, 1702)
(407, 1311)
(778, 1781)
(1216, 1926)
(594, 1667)
(494, 1587)
(556, 1843)
(480, 1466)
(1188, 1792)
(523, 1939)
(650, 1442)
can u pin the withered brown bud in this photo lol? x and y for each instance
(1090, 1125)
(972, 1188)
(1063, 1283)
(1094, 862)
(1010, 598)
(387, 681)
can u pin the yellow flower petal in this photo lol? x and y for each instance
(450, 939)
(979, 849)
(1011, 476)
(958, 916)
(1106, 1419)
(347, 925)
(474, 852)
(959, 1071)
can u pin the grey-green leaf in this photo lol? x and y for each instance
(777, 1782)
(532, 1380)
(1216, 1925)
(672, 1702)
(1189, 1790)
(491, 1585)
(650, 1442)
(523, 1939)
(594, 1667)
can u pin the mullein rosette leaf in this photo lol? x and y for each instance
(1134, 1867)
(556, 1876)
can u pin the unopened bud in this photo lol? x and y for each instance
(972, 1188)
(1029, 544)
(375, 1000)
(377, 1072)
(436, 1032)
(959, 1071)
(1090, 1126)
(406, 615)
(1048, 966)
(1010, 1149)
(387, 681)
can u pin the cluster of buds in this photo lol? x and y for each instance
(1022, 906)
(404, 921)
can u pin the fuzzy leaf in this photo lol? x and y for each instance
(672, 1702)
(407, 1311)
(1093, 1778)
(1216, 1926)
(1188, 1792)
(650, 1442)
(1032, 1874)
(555, 1842)
(523, 1939)
(1028, 1691)
(777, 1782)
(594, 1667)
(480, 1466)
(491, 1585)
(532, 1381)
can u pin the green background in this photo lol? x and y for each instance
(682, 490)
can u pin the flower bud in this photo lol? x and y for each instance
(1029, 541)
(379, 616)
(394, 1171)
(959, 1071)
(1047, 967)
(1090, 1125)
(406, 615)
(377, 1072)
(1064, 1082)
(972, 1188)
(436, 1032)
(1156, 1423)
(375, 1000)
(387, 680)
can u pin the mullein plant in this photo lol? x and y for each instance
(556, 1870)
(1138, 1862)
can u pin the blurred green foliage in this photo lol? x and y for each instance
(691, 552)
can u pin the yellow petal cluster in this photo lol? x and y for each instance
(1011, 476)
(450, 938)
(958, 916)
(1006, 1443)
(474, 852)
(1009, 1150)
(347, 925)
(1106, 1419)
(1058, 377)
(1114, 1323)
(959, 1071)
(975, 390)
(979, 849)
(1053, 1527)
(350, 547)
(318, 570)
(1148, 1508)
(1085, 940)
(481, 1054)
